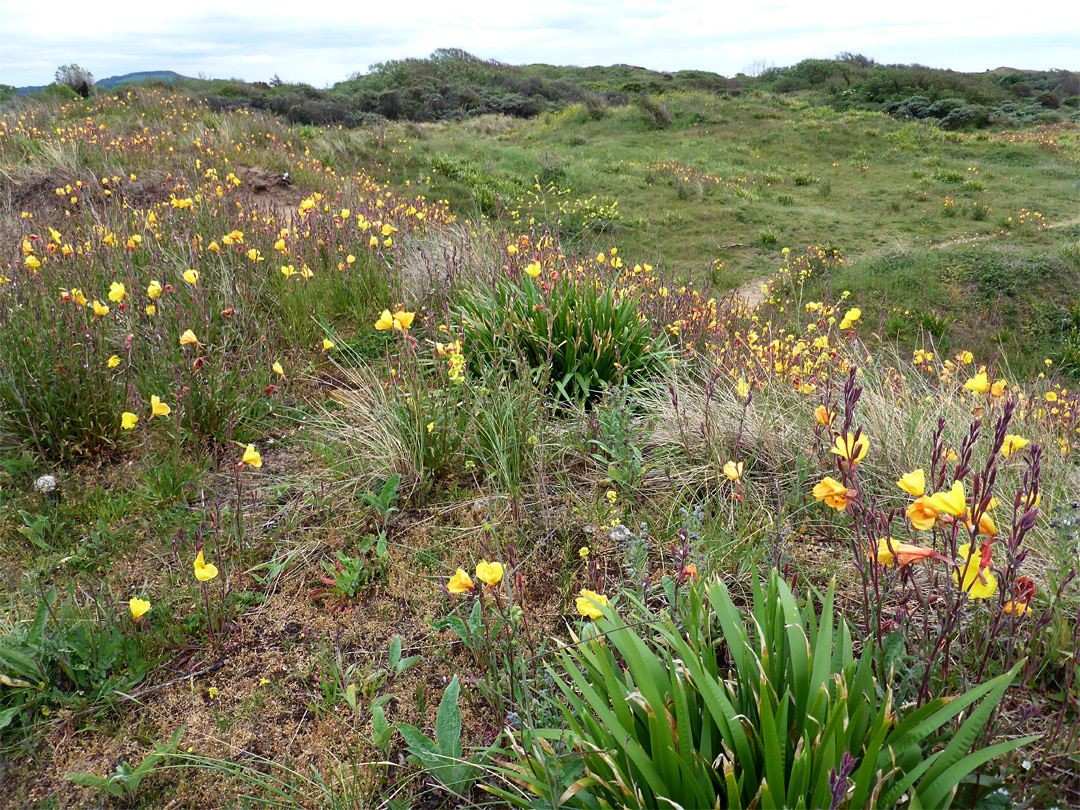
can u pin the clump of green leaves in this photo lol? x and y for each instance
(444, 757)
(580, 328)
(794, 721)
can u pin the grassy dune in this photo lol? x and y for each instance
(360, 468)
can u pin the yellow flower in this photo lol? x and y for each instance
(78, 297)
(847, 447)
(306, 272)
(214, 247)
(489, 573)
(279, 245)
(278, 369)
(288, 270)
(611, 496)
(100, 309)
(204, 571)
(742, 389)
(32, 262)
(922, 514)
(158, 408)
(913, 483)
(128, 420)
(733, 470)
(386, 321)
(114, 361)
(189, 338)
(151, 310)
(979, 383)
(254, 255)
(403, 320)
(1012, 444)
(851, 317)
(589, 603)
(154, 290)
(138, 607)
(327, 344)
(952, 503)
(998, 388)
(191, 277)
(979, 582)
(533, 269)
(251, 456)
(833, 492)
(460, 582)
(117, 292)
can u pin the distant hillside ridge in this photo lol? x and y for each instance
(112, 82)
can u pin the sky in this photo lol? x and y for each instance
(324, 43)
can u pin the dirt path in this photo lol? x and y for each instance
(750, 291)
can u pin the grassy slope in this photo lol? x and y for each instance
(295, 715)
(773, 172)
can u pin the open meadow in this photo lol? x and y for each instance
(705, 451)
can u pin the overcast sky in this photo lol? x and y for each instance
(322, 43)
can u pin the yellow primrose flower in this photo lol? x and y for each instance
(138, 607)
(117, 292)
(998, 388)
(128, 420)
(32, 262)
(460, 582)
(913, 483)
(847, 447)
(823, 416)
(979, 383)
(1012, 444)
(953, 502)
(191, 277)
(251, 456)
(386, 321)
(851, 317)
(403, 320)
(533, 269)
(733, 470)
(254, 255)
(278, 369)
(327, 344)
(979, 582)
(151, 310)
(100, 309)
(154, 289)
(589, 603)
(114, 361)
(158, 408)
(188, 338)
(288, 270)
(204, 571)
(489, 573)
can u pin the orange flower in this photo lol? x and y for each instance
(460, 582)
(922, 514)
(834, 493)
(890, 552)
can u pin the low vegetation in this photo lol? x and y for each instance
(713, 450)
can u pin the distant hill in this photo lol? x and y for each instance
(112, 82)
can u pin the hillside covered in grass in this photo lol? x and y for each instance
(692, 448)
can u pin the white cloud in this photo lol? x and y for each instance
(256, 39)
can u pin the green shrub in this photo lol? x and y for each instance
(658, 720)
(583, 333)
(67, 655)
